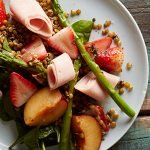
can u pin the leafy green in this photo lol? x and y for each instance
(3, 114)
(13, 114)
(45, 132)
(83, 29)
(6, 45)
(30, 139)
(36, 137)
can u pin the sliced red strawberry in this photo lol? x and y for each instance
(98, 112)
(101, 116)
(111, 60)
(20, 89)
(34, 50)
(64, 41)
(2, 12)
(94, 47)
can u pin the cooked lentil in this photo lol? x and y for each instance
(105, 31)
(113, 124)
(107, 23)
(129, 66)
(121, 91)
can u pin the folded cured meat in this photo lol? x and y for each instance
(31, 15)
(90, 86)
(64, 42)
(34, 50)
(60, 71)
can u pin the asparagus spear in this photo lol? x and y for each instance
(10, 59)
(65, 130)
(93, 66)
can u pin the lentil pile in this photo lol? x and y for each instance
(16, 34)
(47, 7)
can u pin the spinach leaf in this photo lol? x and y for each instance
(45, 132)
(4, 76)
(6, 45)
(50, 133)
(13, 114)
(36, 137)
(3, 114)
(30, 139)
(83, 29)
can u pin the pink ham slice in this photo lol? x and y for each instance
(90, 86)
(64, 42)
(31, 15)
(34, 50)
(60, 71)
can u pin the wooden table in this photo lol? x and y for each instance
(138, 137)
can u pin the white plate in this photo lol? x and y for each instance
(135, 53)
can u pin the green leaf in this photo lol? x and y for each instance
(3, 114)
(30, 139)
(49, 132)
(13, 114)
(83, 29)
(45, 132)
(6, 45)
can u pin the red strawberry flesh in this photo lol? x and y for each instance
(111, 60)
(2, 12)
(95, 47)
(20, 89)
(34, 50)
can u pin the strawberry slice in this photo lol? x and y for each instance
(111, 60)
(34, 50)
(98, 112)
(20, 89)
(64, 41)
(95, 47)
(2, 12)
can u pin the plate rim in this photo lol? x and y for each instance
(145, 54)
(145, 85)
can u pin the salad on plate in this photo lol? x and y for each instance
(53, 80)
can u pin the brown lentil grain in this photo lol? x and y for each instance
(116, 40)
(129, 66)
(66, 14)
(113, 124)
(110, 34)
(115, 116)
(105, 31)
(130, 88)
(99, 26)
(127, 85)
(73, 13)
(121, 91)
(107, 23)
(111, 111)
(78, 11)
(119, 43)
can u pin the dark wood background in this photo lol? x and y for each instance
(138, 137)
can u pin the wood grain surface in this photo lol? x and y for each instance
(138, 136)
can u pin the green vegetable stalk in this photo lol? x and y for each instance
(93, 66)
(65, 130)
(9, 59)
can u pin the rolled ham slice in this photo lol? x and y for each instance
(31, 15)
(90, 86)
(34, 50)
(60, 71)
